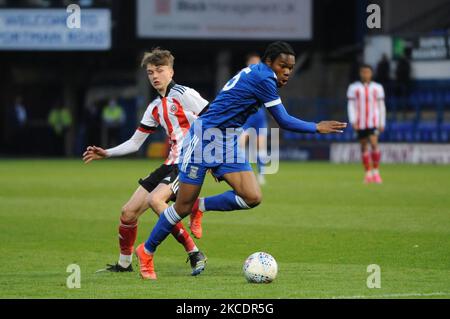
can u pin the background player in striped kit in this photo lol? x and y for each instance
(175, 108)
(367, 115)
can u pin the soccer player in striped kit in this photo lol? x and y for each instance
(175, 109)
(367, 115)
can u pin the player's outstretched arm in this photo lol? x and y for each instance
(294, 124)
(130, 146)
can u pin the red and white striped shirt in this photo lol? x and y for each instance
(175, 112)
(366, 108)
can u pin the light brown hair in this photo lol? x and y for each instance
(158, 56)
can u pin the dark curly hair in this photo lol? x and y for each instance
(275, 49)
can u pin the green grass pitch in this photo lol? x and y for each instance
(323, 226)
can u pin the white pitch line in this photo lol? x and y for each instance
(395, 295)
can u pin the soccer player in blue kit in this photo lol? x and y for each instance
(240, 97)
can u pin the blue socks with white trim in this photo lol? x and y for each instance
(225, 202)
(167, 220)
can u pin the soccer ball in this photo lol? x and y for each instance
(260, 268)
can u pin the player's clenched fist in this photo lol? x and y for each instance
(326, 127)
(94, 153)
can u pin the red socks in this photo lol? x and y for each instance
(376, 156)
(182, 236)
(366, 161)
(127, 236)
(128, 233)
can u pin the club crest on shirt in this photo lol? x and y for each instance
(173, 109)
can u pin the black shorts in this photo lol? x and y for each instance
(165, 174)
(366, 133)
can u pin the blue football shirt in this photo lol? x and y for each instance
(252, 87)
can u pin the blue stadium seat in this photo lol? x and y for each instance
(447, 98)
(427, 132)
(291, 135)
(445, 132)
(348, 134)
(439, 97)
(401, 131)
(429, 97)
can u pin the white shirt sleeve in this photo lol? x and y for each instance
(130, 146)
(148, 120)
(192, 101)
(351, 105)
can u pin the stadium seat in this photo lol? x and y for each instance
(427, 132)
(445, 132)
(447, 98)
(401, 132)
